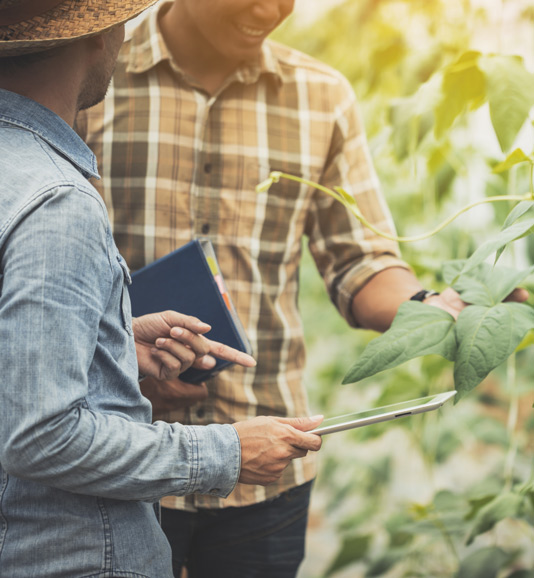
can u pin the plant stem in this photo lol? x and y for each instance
(511, 379)
(438, 523)
(340, 195)
(511, 426)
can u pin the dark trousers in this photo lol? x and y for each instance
(265, 540)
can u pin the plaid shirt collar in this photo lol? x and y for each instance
(148, 49)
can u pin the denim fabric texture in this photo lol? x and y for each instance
(80, 462)
(265, 540)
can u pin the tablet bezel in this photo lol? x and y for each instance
(386, 413)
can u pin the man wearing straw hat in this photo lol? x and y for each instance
(80, 462)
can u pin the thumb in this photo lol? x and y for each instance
(303, 423)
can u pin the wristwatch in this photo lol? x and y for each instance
(423, 294)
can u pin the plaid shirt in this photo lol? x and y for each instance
(177, 163)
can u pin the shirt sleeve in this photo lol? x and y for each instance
(56, 282)
(346, 253)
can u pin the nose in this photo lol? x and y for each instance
(271, 11)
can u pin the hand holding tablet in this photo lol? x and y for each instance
(385, 413)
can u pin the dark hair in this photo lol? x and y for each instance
(12, 64)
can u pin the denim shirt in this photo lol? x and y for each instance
(80, 462)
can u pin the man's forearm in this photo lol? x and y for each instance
(93, 453)
(376, 303)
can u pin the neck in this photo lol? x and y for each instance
(192, 53)
(56, 101)
(50, 81)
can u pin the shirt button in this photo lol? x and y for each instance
(205, 228)
(200, 413)
(207, 168)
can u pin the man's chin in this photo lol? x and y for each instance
(95, 92)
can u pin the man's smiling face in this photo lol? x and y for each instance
(235, 29)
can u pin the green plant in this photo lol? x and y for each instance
(425, 106)
(485, 334)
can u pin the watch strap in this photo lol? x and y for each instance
(423, 294)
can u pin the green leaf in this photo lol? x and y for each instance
(486, 337)
(514, 158)
(488, 431)
(484, 285)
(353, 549)
(527, 341)
(412, 117)
(517, 212)
(485, 487)
(418, 329)
(514, 215)
(522, 574)
(477, 504)
(463, 88)
(510, 92)
(448, 501)
(396, 528)
(484, 563)
(390, 53)
(385, 562)
(517, 230)
(502, 506)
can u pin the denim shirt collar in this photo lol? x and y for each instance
(30, 115)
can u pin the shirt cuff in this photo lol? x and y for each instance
(215, 459)
(357, 277)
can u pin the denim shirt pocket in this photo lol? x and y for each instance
(126, 306)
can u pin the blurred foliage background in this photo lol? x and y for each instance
(446, 89)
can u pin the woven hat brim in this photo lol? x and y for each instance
(71, 20)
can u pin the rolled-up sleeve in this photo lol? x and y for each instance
(347, 253)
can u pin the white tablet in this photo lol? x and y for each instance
(385, 413)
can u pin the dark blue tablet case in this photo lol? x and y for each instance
(183, 281)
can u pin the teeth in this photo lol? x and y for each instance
(251, 31)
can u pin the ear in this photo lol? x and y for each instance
(94, 48)
(97, 41)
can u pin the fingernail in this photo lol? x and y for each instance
(208, 362)
(160, 342)
(316, 417)
(177, 331)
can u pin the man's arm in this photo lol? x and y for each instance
(59, 428)
(363, 272)
(375, 305)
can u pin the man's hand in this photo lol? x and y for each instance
(375, 305)
(168, 343)
(268, 444)
(450, 301)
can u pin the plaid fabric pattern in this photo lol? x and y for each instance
(177, 163)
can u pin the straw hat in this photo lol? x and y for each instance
(36, 25)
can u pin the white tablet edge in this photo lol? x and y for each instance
(390, 414)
